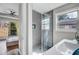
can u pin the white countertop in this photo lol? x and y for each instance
(12, 38)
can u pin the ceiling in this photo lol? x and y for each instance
(45, 7)
(7, 7)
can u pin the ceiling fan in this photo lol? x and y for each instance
(9, 11)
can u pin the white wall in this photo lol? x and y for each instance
(36, 19)
(57, 36)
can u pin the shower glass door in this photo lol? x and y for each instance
(46, 42)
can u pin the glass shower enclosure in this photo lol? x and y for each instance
(46, 32)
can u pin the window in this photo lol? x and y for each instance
(13, 29)
(67, 21)
(45, 24)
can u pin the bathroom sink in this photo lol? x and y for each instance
(64, 47)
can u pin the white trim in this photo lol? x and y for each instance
(23, 44)
(29, 29)
(67, 11)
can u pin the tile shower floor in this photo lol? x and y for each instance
(37, 50)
